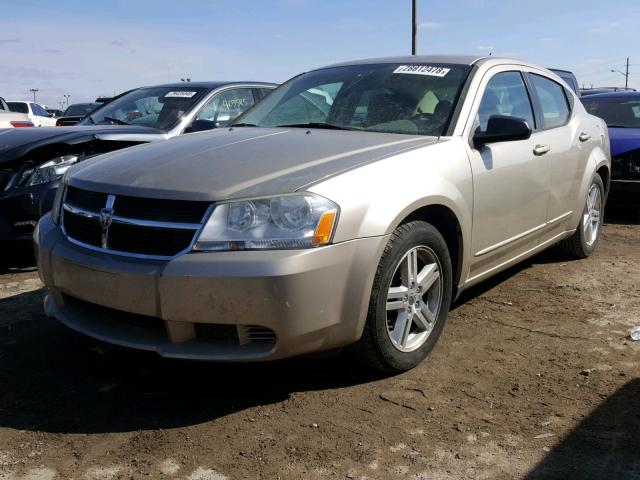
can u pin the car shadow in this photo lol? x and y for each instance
(55, 380)
(616, 215)
(604, 446)
(549, 256)
(16, 257)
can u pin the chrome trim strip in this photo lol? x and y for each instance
(81, 211)
(510, 240)
(131, 221)
(522, 235)
(155, 223)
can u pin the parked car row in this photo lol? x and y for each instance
(347, 208)
(9, 119)
(621, 111)
(36, 113)
(33, 161)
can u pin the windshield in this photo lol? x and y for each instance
(156, 107)
(80, 109)
(393, 98)
(620, 112)
(18, 107)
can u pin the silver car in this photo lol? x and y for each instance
(348, 208)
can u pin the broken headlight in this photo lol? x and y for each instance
(47, 172)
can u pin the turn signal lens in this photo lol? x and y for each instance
(322, 235)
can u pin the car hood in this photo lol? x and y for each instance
(624, 140)
(15, 143)
(238, 162)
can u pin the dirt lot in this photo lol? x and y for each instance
(534, 377)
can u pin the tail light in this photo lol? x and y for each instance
(21, 123)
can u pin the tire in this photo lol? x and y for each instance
(583, 242)
(388, 343)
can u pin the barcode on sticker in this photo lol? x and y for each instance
(180, 94)
(429, 70)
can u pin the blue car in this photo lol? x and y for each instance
(621, 111)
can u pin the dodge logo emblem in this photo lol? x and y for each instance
(106, 216)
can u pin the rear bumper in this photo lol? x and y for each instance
(281, 303)
(20, 209)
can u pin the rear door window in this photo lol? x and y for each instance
(226, 106)
(554, 106)
(18, 107)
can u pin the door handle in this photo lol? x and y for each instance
(541, 149)
(584, 137)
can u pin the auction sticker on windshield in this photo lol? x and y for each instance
(180, 94)
(429, 70)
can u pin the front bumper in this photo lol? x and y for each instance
(278, 303)
(20, 209)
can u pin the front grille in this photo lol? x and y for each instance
(86, 199)
(131, 225)
(148, 241)
(256, 333)
(85, 230)
(133, 319)
(214, 331)
(161, 210)
(626, 166)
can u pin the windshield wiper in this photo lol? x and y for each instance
(243, 125)
(115, 120)
(328, 126)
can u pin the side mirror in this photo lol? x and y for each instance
(200, 126)
(501, 128)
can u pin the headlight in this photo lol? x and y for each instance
(284, 222)
(57, 201)
(47, 172)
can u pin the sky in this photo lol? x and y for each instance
(92, 48)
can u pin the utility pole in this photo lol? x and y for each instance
(626, 76)
(33, 90)
(66, 97)
(414, 26)
(625, 73)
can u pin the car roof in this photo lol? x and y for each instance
(208, 85)
(618, 93)
(560, 70)
(410, 59)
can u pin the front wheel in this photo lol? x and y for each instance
(584, 240)
(409, 301)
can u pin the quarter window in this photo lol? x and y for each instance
(505, 95)
(553, 101)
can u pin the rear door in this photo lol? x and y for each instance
(558, 142)
(510, 186)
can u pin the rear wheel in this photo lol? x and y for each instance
(409, 301)
(584, 240)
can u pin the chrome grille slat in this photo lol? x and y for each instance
(87, 215)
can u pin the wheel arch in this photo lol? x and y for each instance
(448, 224)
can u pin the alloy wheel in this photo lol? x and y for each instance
(591, 217)
(414, 299)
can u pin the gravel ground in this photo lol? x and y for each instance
(534, 377)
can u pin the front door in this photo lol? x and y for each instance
(510, 184)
